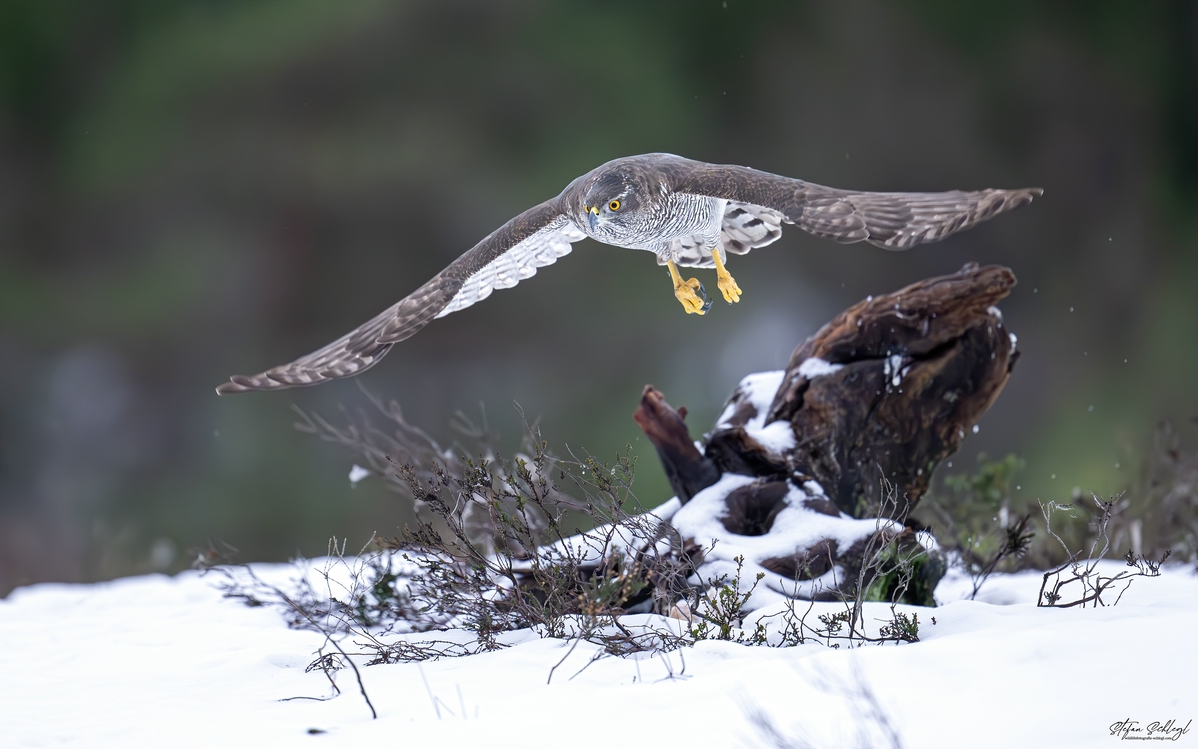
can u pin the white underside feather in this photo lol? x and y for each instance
(520, 262)
(744, 227)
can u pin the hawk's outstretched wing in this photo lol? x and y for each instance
(535, 238)
(893, 220)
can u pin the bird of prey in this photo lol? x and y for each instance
(687, 213)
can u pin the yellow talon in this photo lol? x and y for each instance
(726, 282)
(691, 302)
(685, 292)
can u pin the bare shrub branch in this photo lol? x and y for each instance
(1077, 581)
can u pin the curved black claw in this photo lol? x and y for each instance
(707, 301)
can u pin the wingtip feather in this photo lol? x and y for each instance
(225, 388)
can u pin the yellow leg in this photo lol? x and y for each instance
(726, 282)
(686, 292)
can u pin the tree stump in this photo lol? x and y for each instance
(866, 409)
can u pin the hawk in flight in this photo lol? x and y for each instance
(686, 212)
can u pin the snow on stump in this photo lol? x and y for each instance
(806, 466)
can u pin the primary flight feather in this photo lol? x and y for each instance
(688, 213)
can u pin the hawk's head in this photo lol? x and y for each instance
(615, 203)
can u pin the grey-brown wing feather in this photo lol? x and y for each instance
(894, 220)
(897, 221)
(508, 255)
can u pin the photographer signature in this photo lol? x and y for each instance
(1155, 731)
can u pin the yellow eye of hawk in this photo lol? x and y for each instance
(614, 205)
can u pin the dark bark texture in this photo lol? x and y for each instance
(918, 368)
(900, 380)
(688, 471)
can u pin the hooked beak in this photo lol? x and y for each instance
(592, 215)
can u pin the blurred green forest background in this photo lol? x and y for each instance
(195, 188)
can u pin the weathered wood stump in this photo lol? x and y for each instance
(687, 470)
(882, 393)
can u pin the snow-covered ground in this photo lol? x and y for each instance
(166, 661)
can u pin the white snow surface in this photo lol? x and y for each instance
(816, 367)
(166, 661)
(777, 436)
(794, 528)
(357, 473)
(893, 369)
(759, 390)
